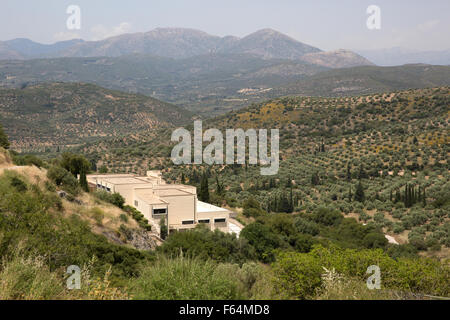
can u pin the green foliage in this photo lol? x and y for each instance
(203, 194)
(163, 228)
(263, 239)
(29, 279)
(205, 244)
(296, 275)
(64, 179)
(183, 278)
(28, 220)
(113, 198)
(83, 181)
(4, 143)
(419, 275)
(327, 216)
(252, 208)
(75, 164)
(359, 193)
(138, 216)
(28, 160)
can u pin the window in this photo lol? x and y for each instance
(99, 185)
(188, 222)
(108, 189)
(203, 221)
(136, 203)
(159, 211)
(220, 220)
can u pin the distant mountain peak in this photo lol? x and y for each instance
(180, 43)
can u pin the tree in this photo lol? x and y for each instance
(83, 181)
(220, 189)
(362, 173)
(103, 169)
(163, 228)
(349, 172)
(315, 180)
(75, 163)
(204, 189)
(4, 143)
(359, 193)
(262, 239)
(117, 200)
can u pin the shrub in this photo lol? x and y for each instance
(63, 178)
(263, 239)
(206, 244)
(186, 279)
(113, 198)
(296, 275)
(29, 279)
(98, 215)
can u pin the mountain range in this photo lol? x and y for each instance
(178, 43)
(207, 74)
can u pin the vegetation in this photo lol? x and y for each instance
(352, 170)
(4, 143)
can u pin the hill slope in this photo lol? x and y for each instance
(63, 114)
(369, 79)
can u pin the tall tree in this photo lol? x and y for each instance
(83, 181)
(204, 189)
(359, 192)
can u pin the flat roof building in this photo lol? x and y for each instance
(155, 199)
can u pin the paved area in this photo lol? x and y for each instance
(234, 228)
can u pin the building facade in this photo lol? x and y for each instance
(155, 199)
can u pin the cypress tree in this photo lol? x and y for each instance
(4, 143)
(83, 181)
(359, 193)
(204, 189)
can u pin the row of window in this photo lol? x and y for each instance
(218, 220)
(99, 186)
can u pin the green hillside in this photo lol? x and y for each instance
(369, 79)
(352, 170)
(61, 114)
(390, 146)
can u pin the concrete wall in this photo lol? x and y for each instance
(215, 215)
(181, 207)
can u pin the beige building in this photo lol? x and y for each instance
(155, 199)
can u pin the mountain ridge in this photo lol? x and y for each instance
(178, 43)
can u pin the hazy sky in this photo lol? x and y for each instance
(327, 24)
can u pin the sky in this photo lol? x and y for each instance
(326, 24)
